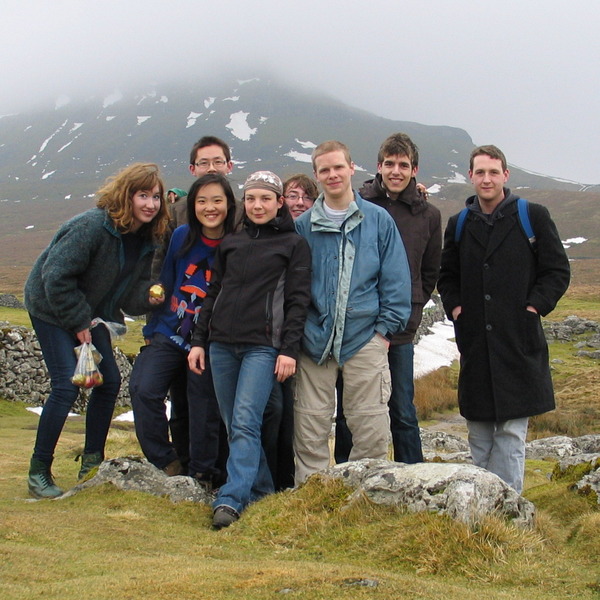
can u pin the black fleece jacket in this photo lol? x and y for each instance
(260, 288)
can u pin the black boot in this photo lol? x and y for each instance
(41, 483)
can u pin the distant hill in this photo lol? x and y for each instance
(52, 161)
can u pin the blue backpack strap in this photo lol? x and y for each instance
(460, 223)
(523, 209)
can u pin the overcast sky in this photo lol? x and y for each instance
(522, 74)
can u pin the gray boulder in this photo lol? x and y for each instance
(560, 447)
(464, 492)
(137, 474)
(590, 484)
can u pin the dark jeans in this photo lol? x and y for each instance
(277, 435)
(157, 366)
(403, 415)
(57, 346)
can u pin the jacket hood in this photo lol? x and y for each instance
(373, 189)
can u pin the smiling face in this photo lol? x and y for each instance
(396, 172)
(488, 178)
(261, 205)
(210, 208)
(334, 173)
(297, 200)
(210, 159)
(145, 205)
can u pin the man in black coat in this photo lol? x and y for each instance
(495, 285)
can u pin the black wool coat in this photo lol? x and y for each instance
(493, 274)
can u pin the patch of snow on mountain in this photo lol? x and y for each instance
(434, 189)
(68, 143)
(61, 101)
(239, 126)
(46, 175)
(75, 127)
(454, 151)
(306, 145)
(110, 118)
(28, 128)
(47, 140)
(453, 165)
(232, 98)
(208, 102)
(263, 119)
(299, 156)
(359, 168)
(141, 120)
(30, 227)
(191, 119)
(112, 99)
(570, 241)
(68, 197)
(457, 178)
(163, 99)
(243, 81)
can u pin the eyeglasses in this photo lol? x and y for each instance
(295, 197)
(218, 162)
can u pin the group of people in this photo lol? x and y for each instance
(277, 313)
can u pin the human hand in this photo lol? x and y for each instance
(456, 311)
(285, 367)
(84, 336)
(196, 359)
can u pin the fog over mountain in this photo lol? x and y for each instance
(518, 73)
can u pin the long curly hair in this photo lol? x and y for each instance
(118, 190)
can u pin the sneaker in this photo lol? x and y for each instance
(40, 482)
(173, 468)
(224, 516)
(88, 462)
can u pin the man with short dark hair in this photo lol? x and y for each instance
(395, 189)
(495, 283)
(360, 298)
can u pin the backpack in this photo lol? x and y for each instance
(525, 222)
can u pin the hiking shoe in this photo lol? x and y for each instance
(224, 516)
(88, 462)
(205, 481)
(40, 482)
(173, 468)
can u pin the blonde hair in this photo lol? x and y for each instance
(326, 148)
(118, 190)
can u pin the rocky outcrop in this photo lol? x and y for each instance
(132, 473)
(559, 447)
(585, 332)
(464, 492)
(23, 373)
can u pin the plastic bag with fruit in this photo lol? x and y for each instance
(87, 374)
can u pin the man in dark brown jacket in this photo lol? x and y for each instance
(395, 189)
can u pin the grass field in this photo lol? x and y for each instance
(107, 544)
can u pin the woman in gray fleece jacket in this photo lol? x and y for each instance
(97, 266)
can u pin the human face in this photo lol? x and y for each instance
(210, 207)
(145, 205)
(210, 159)
(297, 201)
(488, 178)
(396, 172)
(334, 173)
(261, 205)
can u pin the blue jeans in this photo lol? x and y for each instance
(243, 378)
(57, 348)
(157, 366)
(403, 415)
